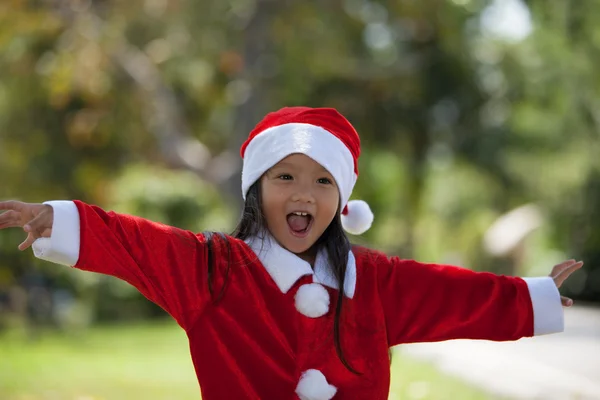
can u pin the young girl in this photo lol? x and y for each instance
(286, 308)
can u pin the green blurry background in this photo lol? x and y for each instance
(479, 125)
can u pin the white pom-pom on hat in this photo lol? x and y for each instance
(312, 300)
(357, 217)
(314, 386)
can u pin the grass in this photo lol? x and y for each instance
(152, 362)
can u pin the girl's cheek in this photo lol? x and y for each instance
(331, 202)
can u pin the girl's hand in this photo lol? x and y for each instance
(561, 272)
(35, 219)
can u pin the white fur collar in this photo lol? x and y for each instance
(286, 268)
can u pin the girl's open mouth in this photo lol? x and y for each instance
(299, 223)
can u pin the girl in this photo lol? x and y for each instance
(286, 308)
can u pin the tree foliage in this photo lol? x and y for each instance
(141, 106)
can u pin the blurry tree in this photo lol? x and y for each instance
(459, 124)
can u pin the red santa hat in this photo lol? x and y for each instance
(324, 135)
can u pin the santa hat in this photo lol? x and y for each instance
(322, 134)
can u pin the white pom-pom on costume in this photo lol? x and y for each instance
(313, 386)
(312, 300)
(359, 217)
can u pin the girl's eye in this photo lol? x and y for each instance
(285, 177)
(325, 181)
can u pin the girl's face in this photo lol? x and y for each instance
(299, 200)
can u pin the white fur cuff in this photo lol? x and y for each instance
(547, 309)
(63, 245)
(313, 386)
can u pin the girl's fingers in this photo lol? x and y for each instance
(557, 269)
(9, 217)
(11, 205)
(28, 242)
(33, 236)
(10, 225)
(565, 264)
(566, 302)
(38, 225)
(36, 228)
(562, 275)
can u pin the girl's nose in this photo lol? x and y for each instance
(303, 195)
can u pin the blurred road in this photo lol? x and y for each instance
(563, 366)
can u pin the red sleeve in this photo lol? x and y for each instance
(430, 302)
(167, 265)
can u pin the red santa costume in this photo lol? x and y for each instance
(271, 334)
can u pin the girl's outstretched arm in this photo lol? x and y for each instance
(166, 264)
(430, 302)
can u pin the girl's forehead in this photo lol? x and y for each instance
(300, 161)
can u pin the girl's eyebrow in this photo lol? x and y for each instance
(288, 165)
(283, 164)
(279, 168)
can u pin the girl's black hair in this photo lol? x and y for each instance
(334, 240)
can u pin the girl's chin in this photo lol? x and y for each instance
(298, 248)
(297, 245)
